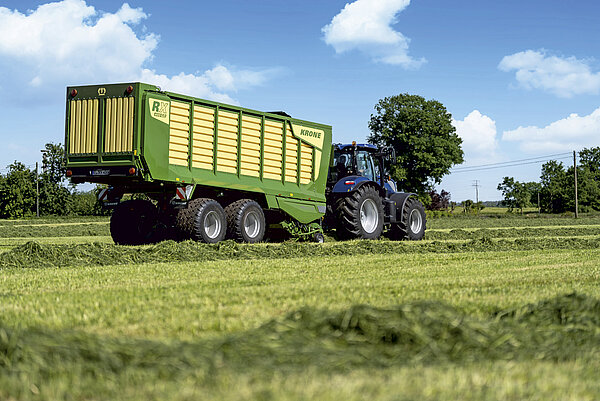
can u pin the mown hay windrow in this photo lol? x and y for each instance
(35, 255)
(512, 233)
(360, 336)
(54, 230)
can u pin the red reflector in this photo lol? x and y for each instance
(132, 171)
(68, 173)
(129, 89)
(74, 93)
(349, 182)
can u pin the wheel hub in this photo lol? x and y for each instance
(252, 224)
(212, 225)
(369, 216)
(415, 221)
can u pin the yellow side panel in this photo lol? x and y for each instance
(118, 124)
(291, 157)
(250, 146)
(202, 159)
(201, 146)
(83, 126)
(227, 142)
(306, 164)
(251, 153)
(250, 173)
(179, 133)
(271, 176)
(225, 169)
(203, 137)
(273, 150)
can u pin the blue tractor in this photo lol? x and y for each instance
(362, 202)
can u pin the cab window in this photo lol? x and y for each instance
(364, 163)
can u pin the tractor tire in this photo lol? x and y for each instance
(412, 223)
(360, 214)
(133, 222)
(203, 220)
(245, 221)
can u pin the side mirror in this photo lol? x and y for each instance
(389, 154)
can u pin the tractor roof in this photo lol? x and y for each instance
(359, 146)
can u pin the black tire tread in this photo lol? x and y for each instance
(186, 217)
(400, 230)
(234, 213)
(123, 224)
(347, 211)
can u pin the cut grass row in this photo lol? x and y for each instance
(115, 332)
(36, 255)
(512, 221)
(524, 232)
(55, 230)
(322, 341)
(189, 299)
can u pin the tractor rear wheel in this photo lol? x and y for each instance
(203, 220)
(245, 221)
(133, 222)
(360, 214)
(412, 222)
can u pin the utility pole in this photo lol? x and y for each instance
(575, 173)
(539, 208)
(37, 191)
(476, 185)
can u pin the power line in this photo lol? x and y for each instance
(472, 169)
(537, 159)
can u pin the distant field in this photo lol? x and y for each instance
(483, 309)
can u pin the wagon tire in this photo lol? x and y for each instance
(245, 221)
(133, 222)
(203, 220)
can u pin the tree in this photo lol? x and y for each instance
(422, 134)
(518, 195)
(555, 193)
(53, 163)
(17, 192)
(55, 197)
(439, 201)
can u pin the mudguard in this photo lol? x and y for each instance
(349, 184)
(400, 199)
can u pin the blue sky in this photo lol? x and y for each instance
(521, 78)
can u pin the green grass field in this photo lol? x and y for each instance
(486, 309)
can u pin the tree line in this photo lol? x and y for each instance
(20, 186)
(556, 188)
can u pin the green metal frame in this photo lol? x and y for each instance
(151, 152)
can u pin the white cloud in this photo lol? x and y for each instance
(204, 85)
(562, 76)
(69, 43)
(366, 25)
(570, 133)
(478, 133)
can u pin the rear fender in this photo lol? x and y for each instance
(352, 183)
(400, 199)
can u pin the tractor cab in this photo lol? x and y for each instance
(362, 160)
(354, 160)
